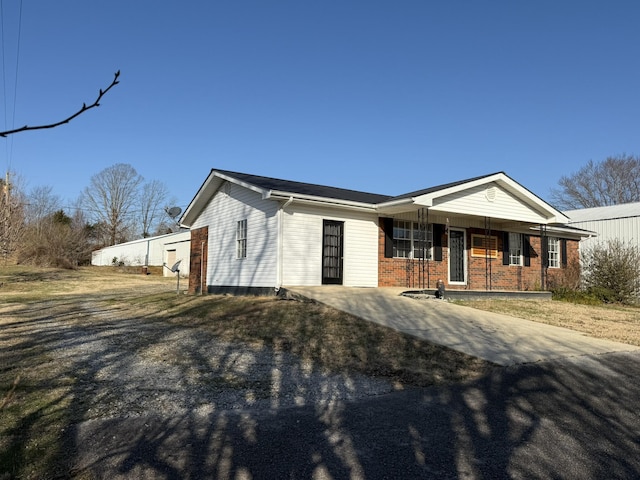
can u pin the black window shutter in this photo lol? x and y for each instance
(387, 227)
(505, 248)
(563, 251)
(438, 231)
(526, 246)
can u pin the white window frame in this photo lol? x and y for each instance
(515, 249)
(553, 252)
(241, 239)
(411, 234)
(402, 232)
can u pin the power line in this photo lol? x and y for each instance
(15, 87)
(9, 146)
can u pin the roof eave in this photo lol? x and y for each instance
(572, 232)
(312, 199)
(551, 215)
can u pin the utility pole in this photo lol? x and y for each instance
(7, 215)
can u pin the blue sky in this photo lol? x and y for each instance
(386, 97)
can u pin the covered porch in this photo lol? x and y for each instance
(485, 235)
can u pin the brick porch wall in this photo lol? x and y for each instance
(198, 263)
(410, 273)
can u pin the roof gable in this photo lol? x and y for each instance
(278, 189)
(466, 197)
(495, 195)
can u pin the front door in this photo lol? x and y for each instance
(332, 247)
(457, 270)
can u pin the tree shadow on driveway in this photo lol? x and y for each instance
(131, 414)
(573, 419)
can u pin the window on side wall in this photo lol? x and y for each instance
(411, 240)
(515, 249)
(553, 249)
(241, 239)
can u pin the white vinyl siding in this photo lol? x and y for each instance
(302, 246)
(492, 201)
(221, 215)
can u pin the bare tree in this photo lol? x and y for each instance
(111, 197)
(84, 108)
(12, 216)
(13, 207)
(613, 181)
(40, 204)
(151, 199)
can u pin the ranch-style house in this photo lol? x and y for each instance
(254, 234)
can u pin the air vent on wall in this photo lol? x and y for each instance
(490, 193)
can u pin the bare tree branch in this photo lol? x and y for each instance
(613, 181)
(84, 108)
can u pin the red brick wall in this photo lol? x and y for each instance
(481, 273)
(410, 273)
(198, 263)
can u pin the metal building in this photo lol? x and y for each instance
(616, 222)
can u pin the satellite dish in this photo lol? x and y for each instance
(176, 267)
(173, 212)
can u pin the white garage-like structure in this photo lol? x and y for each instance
(615, 222)
(152, 252)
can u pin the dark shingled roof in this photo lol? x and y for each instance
(301, 188)
(437, 188)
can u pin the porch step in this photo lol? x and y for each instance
(475, 294)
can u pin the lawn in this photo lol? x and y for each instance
(56, 325)
(619, 323)
(52, 323)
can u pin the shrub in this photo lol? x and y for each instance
(576, 296)
(612, 271)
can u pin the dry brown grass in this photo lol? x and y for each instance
(612, 322)
(51, 395)
(47, 398)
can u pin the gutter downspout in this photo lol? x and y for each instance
(203, 280)
(279, 273)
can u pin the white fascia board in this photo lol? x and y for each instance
(311, 199)
(513, 187)
(207, 190)
(566, 232)
(197, 203)
(553, 215)
(395, 206)
(259, 190)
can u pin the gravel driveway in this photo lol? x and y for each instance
(126, 367)
(154, 400)
(118, 371)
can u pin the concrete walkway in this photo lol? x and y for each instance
(498, 338)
